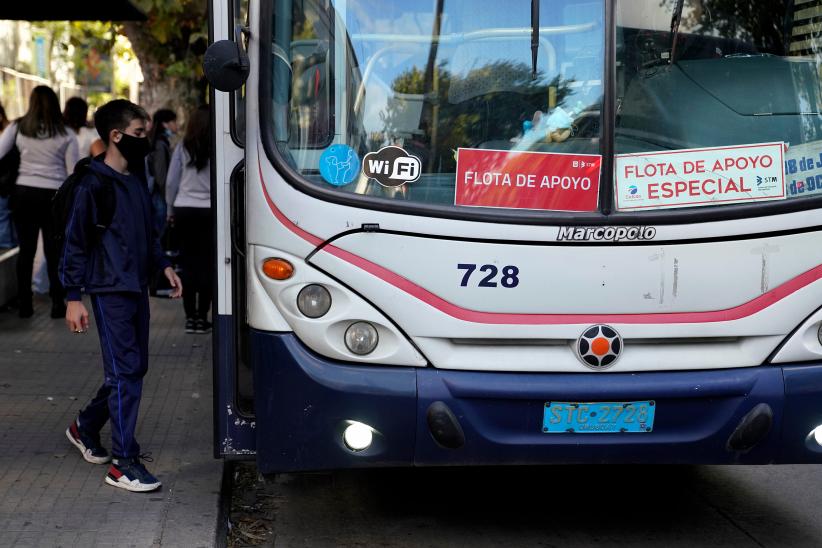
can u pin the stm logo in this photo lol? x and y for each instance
(599, 347)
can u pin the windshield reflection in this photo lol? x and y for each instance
(432, 79)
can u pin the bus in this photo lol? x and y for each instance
(473, 232)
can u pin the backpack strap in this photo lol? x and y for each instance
(104, 201)
(103, 194)
(104, 198)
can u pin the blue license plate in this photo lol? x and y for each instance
(560, 417)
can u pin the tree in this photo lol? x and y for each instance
(170, 47)
(762, 23)
(90, 51)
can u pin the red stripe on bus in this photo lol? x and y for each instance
(286, 222)
(729, 314)
(744, 310)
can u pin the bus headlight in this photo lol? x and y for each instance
(320, 311)
(358, 436)
(361, 338)
(314, 301)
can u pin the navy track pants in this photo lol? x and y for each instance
(122, 323)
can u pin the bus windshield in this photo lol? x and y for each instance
(725, 94)
(401, 77)
(484, 103)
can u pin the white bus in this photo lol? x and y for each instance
(483, 232)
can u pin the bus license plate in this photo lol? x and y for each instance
(598, 418)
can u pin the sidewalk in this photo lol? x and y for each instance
(49, 496)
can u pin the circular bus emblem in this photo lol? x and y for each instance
(599, 347)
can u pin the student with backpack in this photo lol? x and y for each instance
(111, 251)
(48, 153)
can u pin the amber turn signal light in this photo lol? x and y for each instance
(277, 269)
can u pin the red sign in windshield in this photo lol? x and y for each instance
(527, 180)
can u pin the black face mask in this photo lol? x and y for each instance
(134, 150)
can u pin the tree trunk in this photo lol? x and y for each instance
(159, 91)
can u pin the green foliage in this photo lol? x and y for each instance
(94, 34)
(168, 20)
(170, 46)
(411, 81)
(172, 26)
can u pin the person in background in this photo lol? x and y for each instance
(163, 129)
(48, 153)
(7, 236)
(76, 117)
(188, 196)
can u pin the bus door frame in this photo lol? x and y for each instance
(234, 434)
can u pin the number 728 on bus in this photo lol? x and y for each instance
(508, 276)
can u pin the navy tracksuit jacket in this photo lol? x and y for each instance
(114, 269)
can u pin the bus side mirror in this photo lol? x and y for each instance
(226, 65)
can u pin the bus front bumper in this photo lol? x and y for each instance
(304, 403)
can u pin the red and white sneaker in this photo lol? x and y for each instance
(89, 445)
(131, 475)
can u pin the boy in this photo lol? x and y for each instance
(114, 264)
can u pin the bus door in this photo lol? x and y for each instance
(233, 407)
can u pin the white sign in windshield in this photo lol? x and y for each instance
(803, 168)
(700, 176)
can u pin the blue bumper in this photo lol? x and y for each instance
(303, 403)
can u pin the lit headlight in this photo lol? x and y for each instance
(358, 436)
(314, 301)
(361, 338)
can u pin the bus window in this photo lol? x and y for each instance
(696, 74)
(431, 78)
(239, 18)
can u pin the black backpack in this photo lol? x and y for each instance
(63, 202)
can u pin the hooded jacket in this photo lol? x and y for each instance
(127, 254)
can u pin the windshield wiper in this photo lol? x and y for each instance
(534, 37)
(676, 19)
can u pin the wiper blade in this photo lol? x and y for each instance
(676, 19)
(534, 37)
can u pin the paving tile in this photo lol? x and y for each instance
(8, 538)
(49, 496)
